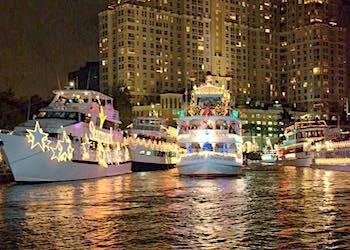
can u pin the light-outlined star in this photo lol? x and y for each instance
(38, 137)
(56, 151)
(67, 150)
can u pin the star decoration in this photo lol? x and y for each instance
(56, 151)
(66, 152)
(38, 137)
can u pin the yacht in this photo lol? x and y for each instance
(209, 134)
(152, 144)
(75, 137)
(333, 153)
(269, 155)
(299, 137)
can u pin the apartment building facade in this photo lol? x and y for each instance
(292, 51)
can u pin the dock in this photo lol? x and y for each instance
(5, 171)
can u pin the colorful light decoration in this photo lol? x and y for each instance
(38, 137)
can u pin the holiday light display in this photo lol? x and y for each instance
(56, 151)
(66, 153)
(102, 116)
(99, 135)
(38, 138)
(85, 148)
(62, 151)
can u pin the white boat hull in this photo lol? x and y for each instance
(301, 159)
(209, 166)
(33, 165)
(268, 158)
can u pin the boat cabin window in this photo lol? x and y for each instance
(108, 124)
(75, 99)
(310, 134)
(58, 115)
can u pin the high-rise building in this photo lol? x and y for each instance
(267, 50)
(313, 55)
(153, 47)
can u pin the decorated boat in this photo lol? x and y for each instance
(269, 155)
(152, 144)
(75, 137)
(333, 153)
(209, 134)
(299, 137)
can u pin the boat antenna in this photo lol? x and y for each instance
(58, 81)
(28, 112)
(88, 79)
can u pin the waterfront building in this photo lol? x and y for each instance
(261, 126)
(313, 56)
(86, 77)
(151, 47)
(171, 104)
(287, 51)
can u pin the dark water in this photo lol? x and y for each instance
(287, 209)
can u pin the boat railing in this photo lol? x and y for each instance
(330, 146)
(6, 131)
(211, 154)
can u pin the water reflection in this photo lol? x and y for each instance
(287, 209)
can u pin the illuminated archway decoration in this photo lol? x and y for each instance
(38, 137)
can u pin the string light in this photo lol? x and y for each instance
(86, 147)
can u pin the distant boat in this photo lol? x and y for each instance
(151, 145)
(209, 135)
(332, 153)
(269, 155)
(299, 137)
(75, 137)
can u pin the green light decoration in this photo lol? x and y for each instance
(235, 113)
(181, 113)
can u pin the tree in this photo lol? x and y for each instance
(12, 110)
(122, 103)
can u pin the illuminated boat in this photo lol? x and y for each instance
(332, 153)
(151, 144)
(299, 137)
(75, 137)
(209, 134)
(269, 155)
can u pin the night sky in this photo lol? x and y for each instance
(40, 39)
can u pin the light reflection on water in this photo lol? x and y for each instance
(291, 208)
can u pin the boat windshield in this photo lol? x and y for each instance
(58, 115)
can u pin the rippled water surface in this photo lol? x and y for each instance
(293, 208)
